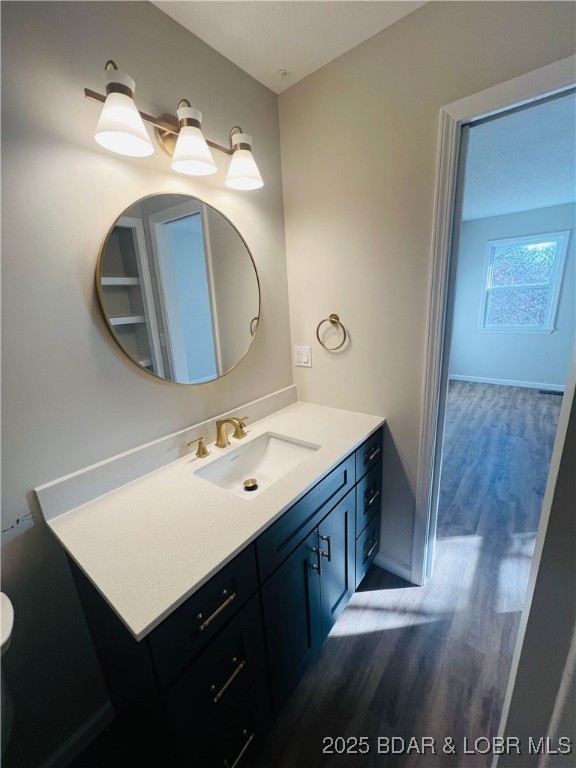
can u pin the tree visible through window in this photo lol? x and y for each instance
(522, 283)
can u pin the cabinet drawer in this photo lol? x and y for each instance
(367, 546)
(368, 454)
(276, 543)
(182, 635)
(368, 497)
(237, 739)
(221, 677)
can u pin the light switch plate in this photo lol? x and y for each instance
(303, 357)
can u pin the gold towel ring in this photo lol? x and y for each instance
(334, 320)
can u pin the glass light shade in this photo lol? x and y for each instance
(191, 154)
(243, 172)
(120, 128)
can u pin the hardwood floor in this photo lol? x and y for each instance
(433, 661)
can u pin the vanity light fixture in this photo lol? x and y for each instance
(243, 172)
(121, 129)
(191, 153)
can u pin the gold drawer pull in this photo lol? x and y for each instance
(318, 553)
(241, 755)
(372, 456)
(368, 504)
(372, 548)
(229, 682)
(328, 554)
(217, 612)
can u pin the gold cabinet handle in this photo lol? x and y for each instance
(228, 682)
(217, 612)
(319, 554)
(368, 504)
(242, 751)
(328, 554)
(372, 456)
(371, 550)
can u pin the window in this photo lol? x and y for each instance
(522, 278)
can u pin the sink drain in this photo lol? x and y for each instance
(251, 484)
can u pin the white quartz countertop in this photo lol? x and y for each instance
(150, 544)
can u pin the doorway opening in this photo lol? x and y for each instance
(509, 335)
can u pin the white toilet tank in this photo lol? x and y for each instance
(6, 626)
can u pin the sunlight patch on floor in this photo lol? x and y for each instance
(446, 593)
(514, 573)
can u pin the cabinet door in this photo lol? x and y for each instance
(275, 544)
(337, 546)
(291, 601)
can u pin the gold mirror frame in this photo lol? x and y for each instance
(150, 287)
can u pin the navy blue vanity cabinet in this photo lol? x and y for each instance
(368, 503)
(369, 453)
(293, 618)
(310, 562)
(209, 658)
(222, 694)
(237, 742)
(198, 680)
(367, 545)
(336, 547)
(275, 544)
(180, 637)
(368, 497)
(306, 594)
(201, 688)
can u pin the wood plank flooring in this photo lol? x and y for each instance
(433, 661)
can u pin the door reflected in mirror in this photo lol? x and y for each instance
(179, 289)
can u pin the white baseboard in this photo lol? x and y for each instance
(81, 738)
(393, 566)
(508, 382)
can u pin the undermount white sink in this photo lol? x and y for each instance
(265, 459)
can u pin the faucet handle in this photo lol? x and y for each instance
(202, 451)
(239, 430)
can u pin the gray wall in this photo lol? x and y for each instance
(533, 358)
(70, 397)
(359, 142)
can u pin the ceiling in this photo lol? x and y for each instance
(266, 37)
(523, 161)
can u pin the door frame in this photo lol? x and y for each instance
(172, 333)
(548, 80)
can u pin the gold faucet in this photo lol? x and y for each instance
(202, 451)
(238, 424)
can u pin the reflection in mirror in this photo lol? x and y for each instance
(179, 289)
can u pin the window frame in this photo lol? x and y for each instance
(561, 238)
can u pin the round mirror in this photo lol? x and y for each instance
(179, 289)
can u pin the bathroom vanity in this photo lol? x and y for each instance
(197, 665)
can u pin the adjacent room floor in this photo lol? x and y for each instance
(433, 661)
